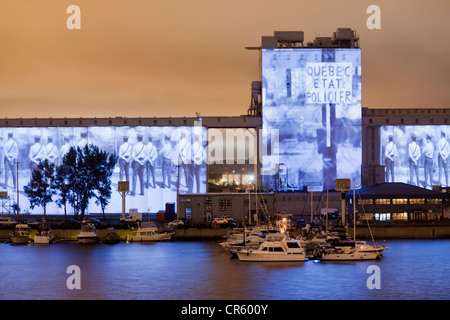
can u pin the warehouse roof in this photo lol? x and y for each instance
(396, 190)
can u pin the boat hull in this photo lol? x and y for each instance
(19, 239)
(355, 256)
(263, 257)
(43, 240)
(87, 240)
(151, 238)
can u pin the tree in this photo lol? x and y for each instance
(62, 182)
(103, 188)
(41, 187)
(86, 172)
(69, 179)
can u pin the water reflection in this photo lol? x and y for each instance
(410, 269)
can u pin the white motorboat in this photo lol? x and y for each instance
(44, 237)
(20, 234)
(363, 246)
(147, 231)
(276, 248)
(44, 234)
(88, 234)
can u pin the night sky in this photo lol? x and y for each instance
(141, 58)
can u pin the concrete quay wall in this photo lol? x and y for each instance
(403, 232)
(180, 234)
(378, 232)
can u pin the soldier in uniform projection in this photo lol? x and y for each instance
(37, 153)
(414, 157)
(151, 155)
(124, 159)
(166, 154)
(444, 152)
(51, 150)
(65, 147)
(197, 159)
(83, 140)
(10, 151)
(184, 159)
(138, 164)
(427, 152)
(390, 154)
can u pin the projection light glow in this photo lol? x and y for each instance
(312, 97)
(150, 158)
(417, 154)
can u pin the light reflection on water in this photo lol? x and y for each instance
(410, 269)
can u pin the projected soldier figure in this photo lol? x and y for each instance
(138, 164)
(414, 157)
(444, 152)
(166, 154)
(10, 151)
(124, 159)
(427, 151)
(37, 153)
(151, 156)
(390, 155)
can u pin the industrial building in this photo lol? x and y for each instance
(305, 127)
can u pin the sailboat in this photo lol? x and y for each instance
(44, 234)
(352, 250)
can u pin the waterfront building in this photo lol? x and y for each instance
(398, 202)
(305, 127)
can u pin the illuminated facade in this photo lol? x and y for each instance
(305, 128)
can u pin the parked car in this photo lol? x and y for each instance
(176, 223)
(223, 220)
(90, 220)
(130, 219)
(227, 217)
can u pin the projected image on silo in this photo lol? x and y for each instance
(312, 106)
(417, 155)
(156, 161)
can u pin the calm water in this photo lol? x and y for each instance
(410, 269)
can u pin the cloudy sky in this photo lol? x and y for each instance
(145, 58)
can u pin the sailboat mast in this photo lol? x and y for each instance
(326, 219)
(354, 212)
(311, 203)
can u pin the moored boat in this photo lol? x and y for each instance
(251, 237)
(347, 253)
(276, 248)
(352, 250)
(147, 231)
(112, 236)
(20, 234)
(44, 234)
(88, 234)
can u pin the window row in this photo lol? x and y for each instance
(400, 201)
